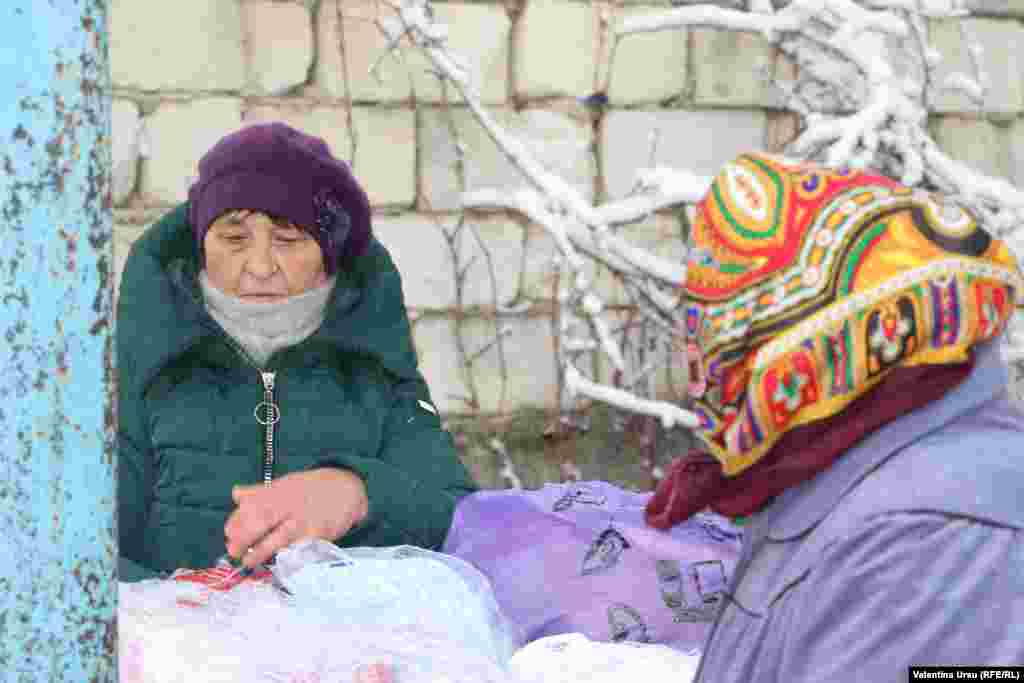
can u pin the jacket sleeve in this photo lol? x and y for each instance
(416, 480)
(134, 484)
(909, 589)
(134, 456)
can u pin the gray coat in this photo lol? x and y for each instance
(909, 550)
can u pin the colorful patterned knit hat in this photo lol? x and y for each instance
(806, 286)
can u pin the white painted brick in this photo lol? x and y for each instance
(558, 142)
(324, 121)
(535, 273)
(124, 235)
(179, 133)
(697, 141)
(556, 49)
(385, 159)
(1016, 152)
(529, 375)
(439, 363)
(490, 252)
(180, 45)
(480, 34)
(363, 46)
(726, 65)
(421, 255)
(975, 142)
(648, 68)
(1003, 45)
(384, 146)
(279, 45)
(492, 248)
(124, 149)
(477, 32)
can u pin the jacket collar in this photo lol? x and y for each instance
(162, 314)
(802, 507)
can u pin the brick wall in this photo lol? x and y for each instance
(187, 72)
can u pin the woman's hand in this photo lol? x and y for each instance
(323, 503)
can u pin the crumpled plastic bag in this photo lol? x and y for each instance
(579, 558)
(572, 657)
(319, 615)
(400, 586)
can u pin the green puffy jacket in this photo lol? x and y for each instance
(350, 396)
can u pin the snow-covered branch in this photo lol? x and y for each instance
(661, 188)
(571, 238)
(708, 16)
(925, 8)
(508, 469)
(834, 41)
(669, 414)
(1002, 201)
(857, 104)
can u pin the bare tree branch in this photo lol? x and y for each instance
(866, 73)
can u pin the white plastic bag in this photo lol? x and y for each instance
(322, 615)
(573, 658)
(401, 587)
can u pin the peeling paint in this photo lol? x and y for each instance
(58, 549)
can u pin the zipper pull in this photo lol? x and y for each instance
(270, 416)
(268, 381)
(270, 412)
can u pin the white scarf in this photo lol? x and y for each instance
(263, 328)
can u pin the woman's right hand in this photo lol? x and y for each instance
(322, 503)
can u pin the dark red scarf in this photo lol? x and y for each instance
(695, 481)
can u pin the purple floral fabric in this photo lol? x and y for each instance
(579, 558)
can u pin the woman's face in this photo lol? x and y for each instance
(251, 256)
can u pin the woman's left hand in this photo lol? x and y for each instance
(323, 503)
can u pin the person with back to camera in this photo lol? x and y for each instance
(268, 388)
(843, 334)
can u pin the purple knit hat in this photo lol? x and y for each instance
(277, 170)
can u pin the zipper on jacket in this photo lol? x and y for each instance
(271, 414)
(268, 420)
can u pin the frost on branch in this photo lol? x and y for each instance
(866, 74)
(862, 90)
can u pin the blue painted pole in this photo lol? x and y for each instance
(58, 588)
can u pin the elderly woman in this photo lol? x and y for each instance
(268, 387)
(843, 335)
